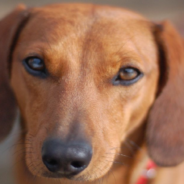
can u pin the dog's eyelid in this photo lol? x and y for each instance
(34, 54)
(132, 63)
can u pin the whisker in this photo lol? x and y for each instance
(120, 154)
(133, 144)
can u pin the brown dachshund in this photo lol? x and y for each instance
(99, 89)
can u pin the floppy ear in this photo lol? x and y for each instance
(165, 129)
(9, 29)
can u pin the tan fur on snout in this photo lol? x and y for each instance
(83, 48)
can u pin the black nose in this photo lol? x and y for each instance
(67, 159)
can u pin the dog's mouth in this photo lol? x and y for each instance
(75, 161)
(59, 175)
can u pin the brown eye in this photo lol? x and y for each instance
(127, 76)
(35, 66)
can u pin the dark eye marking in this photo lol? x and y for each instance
(35, 66)
(127, 76)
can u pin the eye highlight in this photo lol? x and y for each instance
(35, 66)
(127, 76)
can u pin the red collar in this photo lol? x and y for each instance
(148, 173)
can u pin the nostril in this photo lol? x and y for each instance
(52, 161)
(78, 164)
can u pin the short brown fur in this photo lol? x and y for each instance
(83, 47)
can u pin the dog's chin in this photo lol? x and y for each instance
(66, 178)
(59, 176)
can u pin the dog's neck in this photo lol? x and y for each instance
(135, 149)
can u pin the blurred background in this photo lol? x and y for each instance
(153, 9)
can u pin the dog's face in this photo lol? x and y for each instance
(83, 75)
(84, 78)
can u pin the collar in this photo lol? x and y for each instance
(148, 173)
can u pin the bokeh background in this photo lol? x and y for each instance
(155, 10)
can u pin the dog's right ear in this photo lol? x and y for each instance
(10, 27)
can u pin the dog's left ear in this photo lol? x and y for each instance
(9, 29)
(165, 129)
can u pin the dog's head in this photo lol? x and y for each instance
(84, 78)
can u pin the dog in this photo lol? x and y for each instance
(100, 92)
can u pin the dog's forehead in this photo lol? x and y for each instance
(66, 19)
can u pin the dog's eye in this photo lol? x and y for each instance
(35, 66)
(127, 76)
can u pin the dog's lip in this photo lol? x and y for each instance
(60, 174)
(64, 174)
